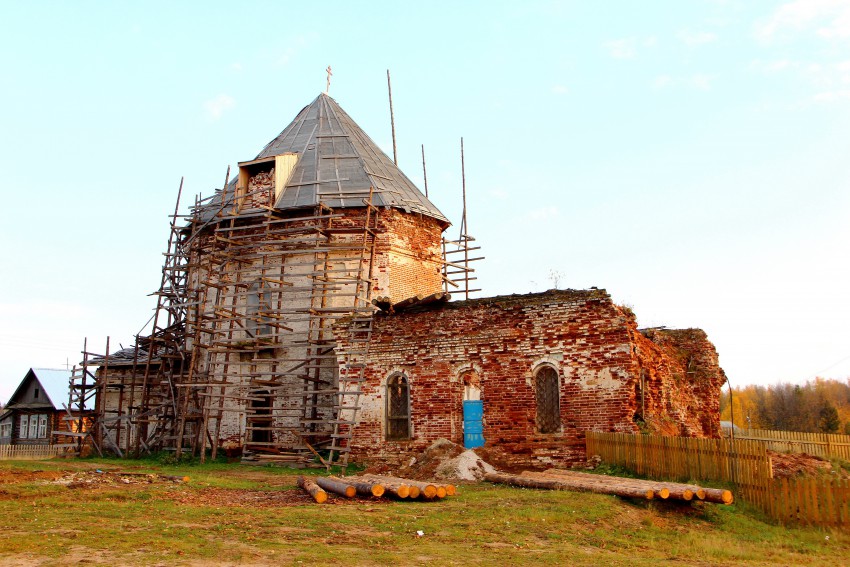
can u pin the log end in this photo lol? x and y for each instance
(663, 493)
(404, 491)
(320, 496)
(451, 489)
(687, 494)
(701, 493)
(378, 490)
(650, 494)
(442, 492)
(414, 492)
(350, 491)
(430, 491)
(727, 497)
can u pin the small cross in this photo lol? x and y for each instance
(330, 74)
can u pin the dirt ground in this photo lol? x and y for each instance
(787, 465)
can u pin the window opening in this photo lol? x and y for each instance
(398, 408)
(471, 385)
(548, 400)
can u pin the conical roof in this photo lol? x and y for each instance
(338, 163)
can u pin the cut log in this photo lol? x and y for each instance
(549, 483)
(605, 485)
(663, 489)
(451, 490)
(427, 489)
(408, 302)
(660, 490)
(685, 494)
(398, 489)
(313, 489)
(718, 495)
(362, 487)
(337, 486)
(440, 494)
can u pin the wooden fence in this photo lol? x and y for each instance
(22, 452)
(742, 462)
(825, 445)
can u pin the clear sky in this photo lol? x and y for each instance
(692, 158)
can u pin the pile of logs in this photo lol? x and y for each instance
(375, 485)
(384, 303)
(560, 479)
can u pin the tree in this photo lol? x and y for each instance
(829, 422)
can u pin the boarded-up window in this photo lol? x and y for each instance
(398, 408)
(548, 400)
(256, 313)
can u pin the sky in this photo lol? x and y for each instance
(692, 158)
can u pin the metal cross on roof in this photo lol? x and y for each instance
(330, 74)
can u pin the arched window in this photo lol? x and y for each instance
(398, 408)
(546, 392)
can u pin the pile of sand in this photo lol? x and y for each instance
(466, 466)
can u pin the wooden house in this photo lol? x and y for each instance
(35, 414)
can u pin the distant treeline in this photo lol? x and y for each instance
(821, 405)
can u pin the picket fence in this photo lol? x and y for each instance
(826, 445)
(823, 501)
(24, 452)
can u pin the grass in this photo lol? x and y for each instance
(209, 521)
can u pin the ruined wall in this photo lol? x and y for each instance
(592, 344)
(581, 334)
(681, 382)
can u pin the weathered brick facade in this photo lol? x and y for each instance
(319, 224)
(592, 344)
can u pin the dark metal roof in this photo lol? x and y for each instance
(338, 163)
(124, 357)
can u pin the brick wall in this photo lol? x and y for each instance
(589, 341)
(682, 380)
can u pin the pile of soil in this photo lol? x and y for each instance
(445, 460)
(788, 465)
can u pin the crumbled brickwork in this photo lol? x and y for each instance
(590, 342)
(681, 382)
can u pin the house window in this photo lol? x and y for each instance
(23, 432)
(398, 408)
(6, 430)
(35, 394)
(546, 390)
(42, 426)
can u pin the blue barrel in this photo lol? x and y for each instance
(473, 427)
